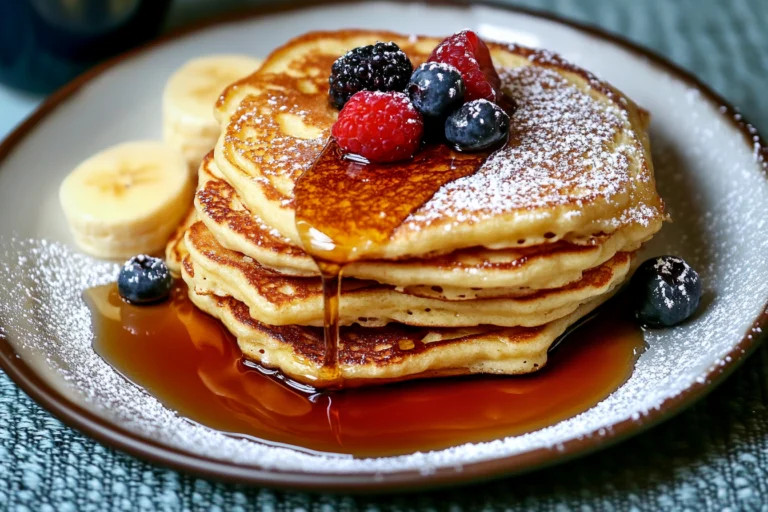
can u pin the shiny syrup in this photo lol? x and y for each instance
(188, 361)
(346, 210)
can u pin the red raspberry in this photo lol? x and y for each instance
(379, 126)
(468, 53)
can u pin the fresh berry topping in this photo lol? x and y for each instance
(468, 53)
(478, 124)
(436, 89)
(665, 291)
(379, 126)
(144, 279)
(376, 67)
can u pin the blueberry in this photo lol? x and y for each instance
(436, 89)
(478, 124)
(144, 279)
(665, 291)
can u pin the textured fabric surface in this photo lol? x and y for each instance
(713, 456)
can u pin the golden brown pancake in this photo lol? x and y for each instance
(277, 299)
(387, 354)
(175, 250)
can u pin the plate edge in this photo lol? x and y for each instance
(110, 434)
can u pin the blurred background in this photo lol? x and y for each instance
(45, 43)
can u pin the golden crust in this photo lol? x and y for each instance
(389, 354)
(278, 299)
(175, 248)
(464, 274)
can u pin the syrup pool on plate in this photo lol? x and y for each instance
(190, 363)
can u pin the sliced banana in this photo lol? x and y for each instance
(189, 98)
(127, 199)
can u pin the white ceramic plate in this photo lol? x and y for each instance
(710, 167)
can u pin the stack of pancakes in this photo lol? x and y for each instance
(482, 278)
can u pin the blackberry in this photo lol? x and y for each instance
(144, 279)
(378, 67)
(477, 125)
(665, 291)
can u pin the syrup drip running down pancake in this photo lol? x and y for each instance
(279, 300)
(284, 300)
(383, 355)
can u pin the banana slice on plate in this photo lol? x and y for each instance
(127, 199)
(189, 98)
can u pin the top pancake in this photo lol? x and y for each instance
(577, 164)
(465, 274)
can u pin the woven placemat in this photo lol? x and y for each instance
(714, 456)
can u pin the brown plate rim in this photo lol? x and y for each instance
(117, 437)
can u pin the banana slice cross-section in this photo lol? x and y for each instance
(127, 199)
(189, 98)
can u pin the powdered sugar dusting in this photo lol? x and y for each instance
(564, 146)
(269, 230)
(715, 194)
(716, 199)
(48, 320)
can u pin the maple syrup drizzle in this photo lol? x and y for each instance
(347, 209)
(190, 363)
(331, 276)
